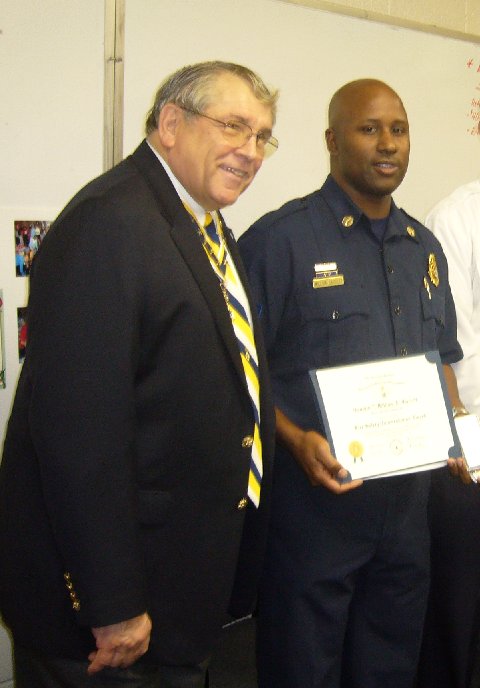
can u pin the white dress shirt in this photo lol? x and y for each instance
(456, 223)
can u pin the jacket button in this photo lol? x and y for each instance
(242, 503)
(247, 441)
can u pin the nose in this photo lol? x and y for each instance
(250, 149)
(386, 141)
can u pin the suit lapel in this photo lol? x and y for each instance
(185, 236)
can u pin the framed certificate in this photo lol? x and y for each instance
(387, 417)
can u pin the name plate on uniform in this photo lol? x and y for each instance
(387, 417)
(335, 281)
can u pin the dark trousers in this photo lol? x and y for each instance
(452, 626)
(35, 671)
(343, 596)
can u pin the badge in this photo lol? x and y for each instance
(326, 275)
(433, 270)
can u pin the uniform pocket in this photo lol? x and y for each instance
(335, 324)
(433, 311)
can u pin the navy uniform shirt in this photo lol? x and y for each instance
(386, 298)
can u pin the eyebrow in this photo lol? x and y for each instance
(376, 120)
(242, 120)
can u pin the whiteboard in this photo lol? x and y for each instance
(308, 54)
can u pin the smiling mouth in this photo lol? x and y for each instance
(241, 174)
(386, 167)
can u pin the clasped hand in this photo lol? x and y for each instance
(120, 644)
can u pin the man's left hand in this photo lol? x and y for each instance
(458, 468)
(120, 644)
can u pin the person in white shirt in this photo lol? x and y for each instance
(456, 222)
(449, 657)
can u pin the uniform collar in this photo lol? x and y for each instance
(349, 215)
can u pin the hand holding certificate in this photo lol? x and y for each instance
(387, 417)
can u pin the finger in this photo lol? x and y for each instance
(335, 484)
(99, 659)
(458, 468)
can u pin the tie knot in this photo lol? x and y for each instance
(208, 220)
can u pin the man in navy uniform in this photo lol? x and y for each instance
(343, 595)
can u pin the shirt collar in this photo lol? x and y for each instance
(185, 197)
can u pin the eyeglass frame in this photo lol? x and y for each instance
(267, 151)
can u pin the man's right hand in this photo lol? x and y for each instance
(312, 453)
(120, 644)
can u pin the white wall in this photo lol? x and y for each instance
(309, 53)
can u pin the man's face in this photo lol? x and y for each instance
(370, 144)
(213, 171)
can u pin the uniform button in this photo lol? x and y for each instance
(397, 310)
(242, 503)
(390, 269)
(76, 606)
(403, 350)
(335, 315)
(247, 441)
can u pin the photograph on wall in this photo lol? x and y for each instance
(2, 350)
(29, 234)
(22, 332)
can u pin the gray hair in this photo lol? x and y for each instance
(190, 87)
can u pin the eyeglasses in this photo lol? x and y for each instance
(238, 133)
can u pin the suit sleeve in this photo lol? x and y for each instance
(82, 351)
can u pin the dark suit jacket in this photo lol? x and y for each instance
(124, 464)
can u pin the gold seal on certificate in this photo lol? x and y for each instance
(356, 450)
(387, 417)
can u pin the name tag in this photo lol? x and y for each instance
(333, 281)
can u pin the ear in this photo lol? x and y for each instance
(331, 141)
(169, 119)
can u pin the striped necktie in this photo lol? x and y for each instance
(215, 248)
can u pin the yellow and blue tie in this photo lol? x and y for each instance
(235, 297)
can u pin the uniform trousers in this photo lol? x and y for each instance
(35, 671)
(343, 596)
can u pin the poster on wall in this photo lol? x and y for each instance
(2, 350)
(22, 332)
(29, 234)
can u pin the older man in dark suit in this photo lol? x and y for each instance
(134, 486)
